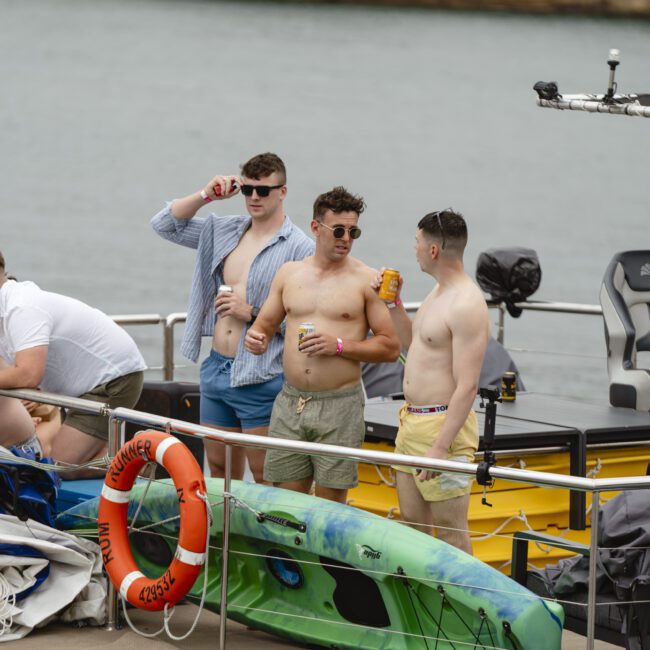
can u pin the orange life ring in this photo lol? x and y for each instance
(177, 580)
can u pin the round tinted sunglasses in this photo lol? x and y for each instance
(339, 231)
(262, 190)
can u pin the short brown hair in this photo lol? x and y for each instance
(337, 200)
(454, 228)
(2, 262)
(263, 165)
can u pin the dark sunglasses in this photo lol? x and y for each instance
(262, 190)
(442, 230)
(339, 231)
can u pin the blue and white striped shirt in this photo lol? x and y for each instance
(215, 238)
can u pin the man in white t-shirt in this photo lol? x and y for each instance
(63, 346)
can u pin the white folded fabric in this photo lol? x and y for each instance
(74, 590)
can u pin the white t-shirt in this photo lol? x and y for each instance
(86, 348)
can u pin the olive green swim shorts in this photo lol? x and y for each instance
(122, 391)
(332, 417)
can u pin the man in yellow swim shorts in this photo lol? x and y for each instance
(446, 343)
(418, 429)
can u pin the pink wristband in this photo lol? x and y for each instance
(396, 303)
(205, 196)
(339, 347)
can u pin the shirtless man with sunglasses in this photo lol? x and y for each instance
(322, 399)
(244, 252)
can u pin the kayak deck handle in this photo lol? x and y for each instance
(282, 521)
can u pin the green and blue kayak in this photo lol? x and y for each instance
(331, 575)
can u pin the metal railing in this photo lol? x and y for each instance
(83, 405)
(137, 319)
(170, 321)
(541, 479)
(538, 305)
(168, 343)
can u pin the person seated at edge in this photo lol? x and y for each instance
(446, 343)
(322, 399)
(244, 252)
(16, 425)
(65, 347)
(27, 424)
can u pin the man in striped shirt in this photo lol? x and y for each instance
(243, 252)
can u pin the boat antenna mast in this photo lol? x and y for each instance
(612, 62)
(548, 96)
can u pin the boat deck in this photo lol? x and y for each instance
(537, 420)
(58, 636)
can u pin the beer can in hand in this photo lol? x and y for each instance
(509, 387)
(223, 288)
(389, 283)
(303, 330)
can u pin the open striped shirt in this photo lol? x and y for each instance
(215, 238)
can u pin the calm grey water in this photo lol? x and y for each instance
(111, 107)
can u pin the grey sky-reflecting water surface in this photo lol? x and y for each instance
(111, 107)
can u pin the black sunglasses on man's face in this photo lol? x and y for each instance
(262, 190)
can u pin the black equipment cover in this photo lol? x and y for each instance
(509, 275)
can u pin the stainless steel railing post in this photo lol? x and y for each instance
(168, 343)
(168, 350)
(112, 617)
(501, 331)
(593, 564)
(224, 549)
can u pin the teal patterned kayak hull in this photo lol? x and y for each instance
(327, 574)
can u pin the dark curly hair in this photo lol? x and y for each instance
(263, 165)
(337, 200)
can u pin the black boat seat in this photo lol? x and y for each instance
(625, 299)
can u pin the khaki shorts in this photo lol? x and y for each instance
(332, 417)
(415, 437)
(123, 391)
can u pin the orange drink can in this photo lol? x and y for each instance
(388, 288)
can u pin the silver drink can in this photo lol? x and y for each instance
(223, 288)
(303, 330)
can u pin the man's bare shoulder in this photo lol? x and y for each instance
(472, 291)
(295, 266)
(469, 301)
(361, 270)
